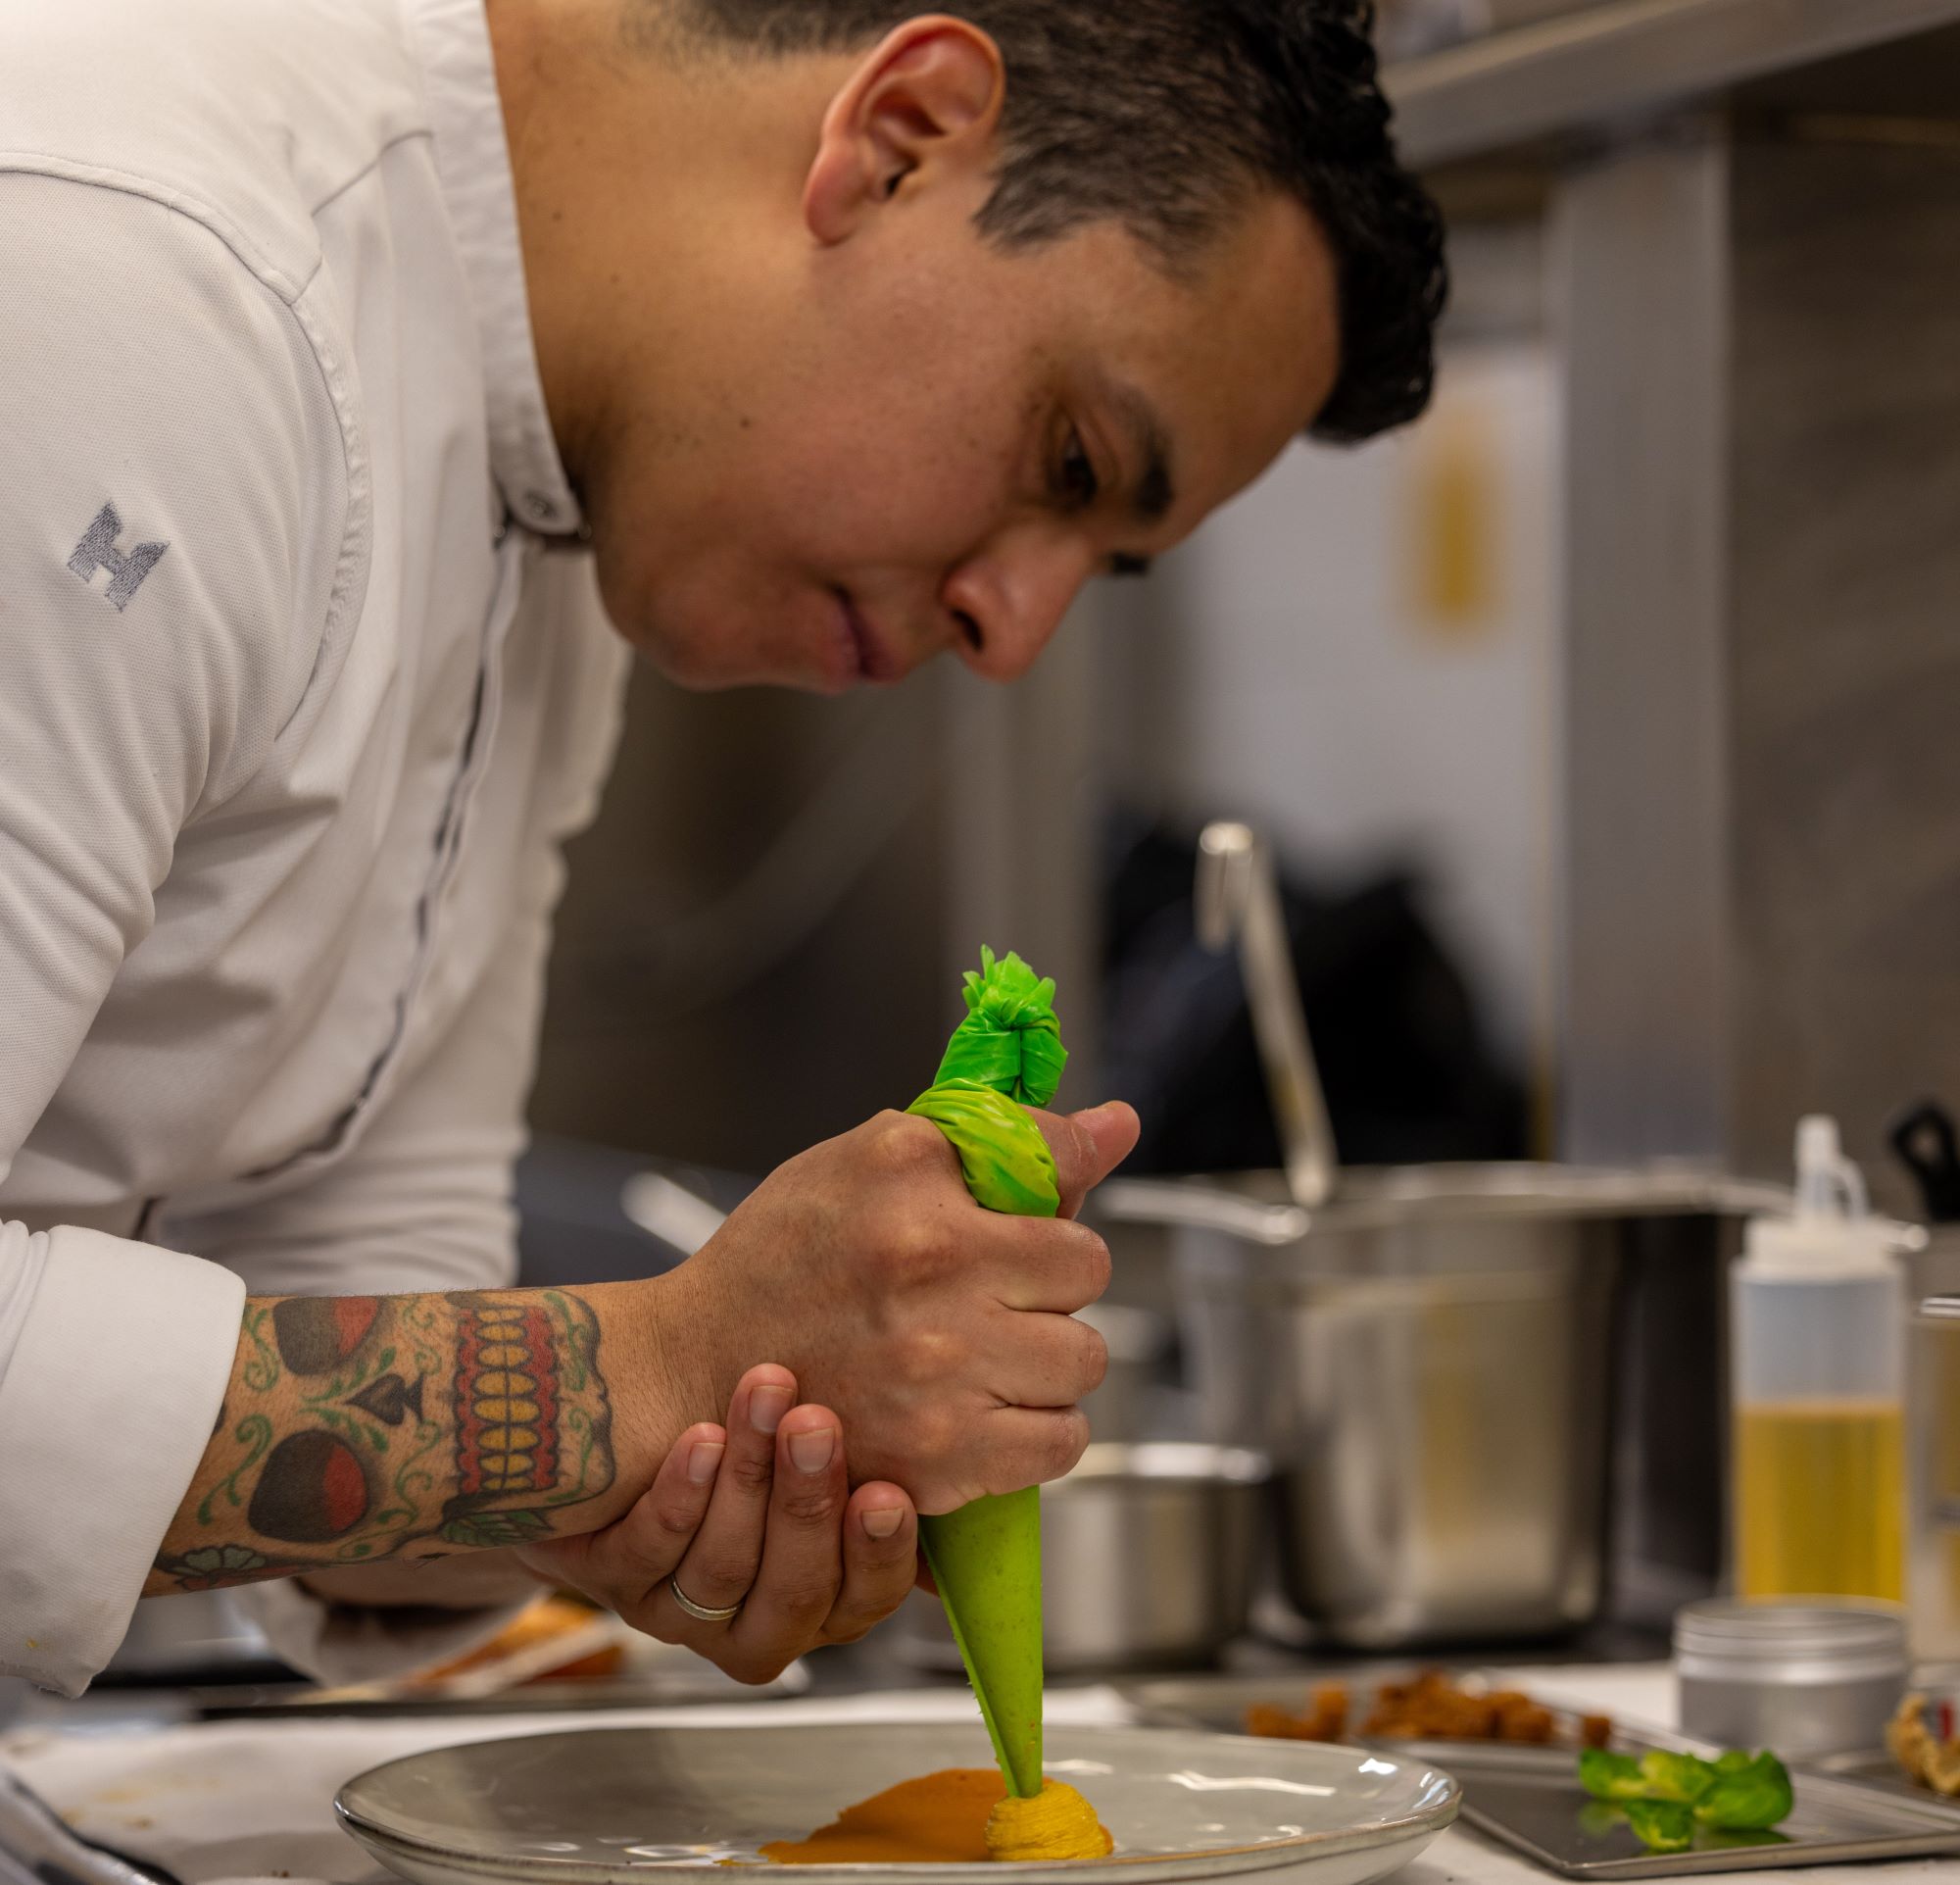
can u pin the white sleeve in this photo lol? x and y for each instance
(159, 496)
(423, 1202)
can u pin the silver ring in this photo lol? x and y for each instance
(700, 1612)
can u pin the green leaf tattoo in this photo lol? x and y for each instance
(260, 1372)
(490, 1529)
(255, 1434)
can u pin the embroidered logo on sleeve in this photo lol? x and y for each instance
(126, 569)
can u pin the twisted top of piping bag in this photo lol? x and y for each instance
(1004, 1058)
(1011, 1039)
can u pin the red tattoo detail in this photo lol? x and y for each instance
(353, 1317)
(507, 1401)
(312, 1489)
(343, 1491)
(317, 1333)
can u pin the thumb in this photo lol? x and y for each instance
(1087, 1146)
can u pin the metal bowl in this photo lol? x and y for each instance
(1146, 1560)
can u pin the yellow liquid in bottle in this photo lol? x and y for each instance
(1820, 1500)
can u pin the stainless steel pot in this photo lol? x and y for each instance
(1429, 1360)
(1146, 1560)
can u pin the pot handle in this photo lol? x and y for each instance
(1238, 897)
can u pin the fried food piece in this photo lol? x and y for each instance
(1272, 1722)
(1429, 1707)
(1520, 1719)
(1325, 1718)
(1925, 1759)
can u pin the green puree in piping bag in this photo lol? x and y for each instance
(1004, 1057)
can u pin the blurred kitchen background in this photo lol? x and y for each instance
(1601, 730)
(1601, 721)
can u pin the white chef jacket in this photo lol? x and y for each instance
(293, 720)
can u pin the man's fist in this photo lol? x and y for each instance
(938, 1331)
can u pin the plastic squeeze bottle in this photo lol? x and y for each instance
(1818, 1370)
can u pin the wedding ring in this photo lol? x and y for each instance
(700, 1612)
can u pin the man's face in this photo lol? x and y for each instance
(914, 441)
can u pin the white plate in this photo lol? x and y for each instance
(611, 1804)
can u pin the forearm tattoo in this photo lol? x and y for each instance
(364, 1427)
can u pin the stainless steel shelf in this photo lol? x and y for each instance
(1625, 59)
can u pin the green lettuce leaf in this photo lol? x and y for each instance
(1661, 1825)
(1611, 1776)
(1685, 1777)
(1749, 1798)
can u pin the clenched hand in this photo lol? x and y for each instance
(938, 1331)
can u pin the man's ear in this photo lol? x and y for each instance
(925, 102)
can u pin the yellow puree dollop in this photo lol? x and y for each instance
(1057, 1823)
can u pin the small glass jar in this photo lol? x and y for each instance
(1800, 1678)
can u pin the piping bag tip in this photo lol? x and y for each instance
(986, 1560)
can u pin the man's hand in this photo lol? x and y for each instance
(941, 1332)
(757, 1513)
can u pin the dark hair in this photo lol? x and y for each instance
(1159, 113)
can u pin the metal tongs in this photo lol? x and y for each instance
(1237, 897)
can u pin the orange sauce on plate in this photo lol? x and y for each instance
(943, 1819)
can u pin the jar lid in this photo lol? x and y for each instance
(1805, 1631)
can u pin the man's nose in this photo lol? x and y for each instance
(1007, 600)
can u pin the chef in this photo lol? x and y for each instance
(352, 354)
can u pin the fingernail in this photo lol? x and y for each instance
(811, 1450)
(766, 1406)
(704, 1459)
(881, 1521)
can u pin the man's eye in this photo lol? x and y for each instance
(1078, 475)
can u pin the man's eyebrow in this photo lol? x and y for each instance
(1155, 489)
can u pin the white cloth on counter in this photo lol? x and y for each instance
(244, 1799)
(294, 719)
(362, 1643)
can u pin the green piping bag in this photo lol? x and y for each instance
(1004, 1057)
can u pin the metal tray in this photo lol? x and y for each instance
(663, 1685)
(1530, 1797)
(1219, 1701)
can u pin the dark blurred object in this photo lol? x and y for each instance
(1409, 1074)
(1922, 1136)
(580, 1218)
(190, 1636)
(1409, 28)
